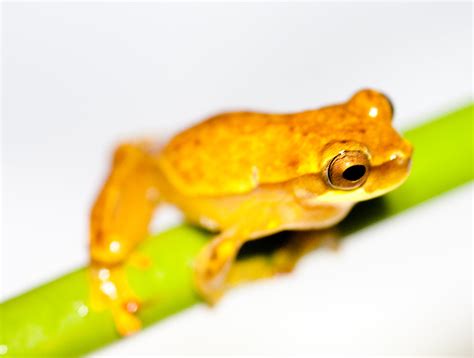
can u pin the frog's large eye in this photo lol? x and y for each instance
(348, 170)
(372, 104)
(392, 107)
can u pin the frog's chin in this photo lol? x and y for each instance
(353, 196)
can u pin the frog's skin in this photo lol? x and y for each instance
(246, 175)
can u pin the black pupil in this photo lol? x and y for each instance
(354, 173)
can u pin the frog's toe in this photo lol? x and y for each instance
(126, 321)
(210, 296)
(110, 290)
(210, 284)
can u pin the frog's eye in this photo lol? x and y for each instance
(348, 170)
(372, 104)
(392, 107)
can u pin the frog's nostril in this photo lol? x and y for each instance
(354, 173)
(401, 158)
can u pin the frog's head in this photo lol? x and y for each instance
(364, 157)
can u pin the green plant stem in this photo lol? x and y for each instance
(56, 318)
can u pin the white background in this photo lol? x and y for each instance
(78, 78)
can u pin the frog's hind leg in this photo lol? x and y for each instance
(119, 221)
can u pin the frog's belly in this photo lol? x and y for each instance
(318, 217)
(261, 212)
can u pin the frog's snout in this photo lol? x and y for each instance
(403, 155)
(391, 173)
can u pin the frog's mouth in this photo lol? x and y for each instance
(382, 179)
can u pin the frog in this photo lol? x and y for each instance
(243, 176)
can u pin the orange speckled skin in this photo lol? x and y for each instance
(244, 175)
(236, 152)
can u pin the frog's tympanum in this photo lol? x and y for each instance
(244, 175)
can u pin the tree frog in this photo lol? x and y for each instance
(245, 175)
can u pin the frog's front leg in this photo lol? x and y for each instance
(118, 222)
(260, 214)
(216, 270)
(214, 262)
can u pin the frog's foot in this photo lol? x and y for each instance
(263, 266)
(284, 259)
(257, 268)
(303, 242)
(212, 266)
(110, 290)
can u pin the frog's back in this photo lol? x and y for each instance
(235, 152)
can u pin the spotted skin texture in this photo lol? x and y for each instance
(236, 152)
(242, 175)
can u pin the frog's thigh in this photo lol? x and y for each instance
(122, 211)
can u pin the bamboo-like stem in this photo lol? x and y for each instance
(56, 318)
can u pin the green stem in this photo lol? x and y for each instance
(56, 318)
